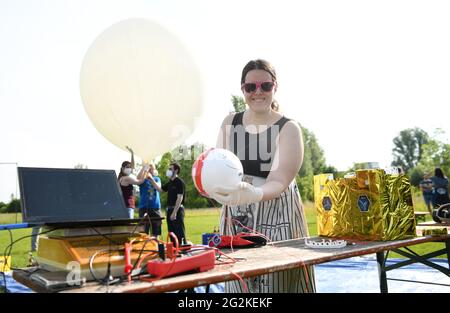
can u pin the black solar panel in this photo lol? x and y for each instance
(50, 195)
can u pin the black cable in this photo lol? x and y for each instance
(141, 220)
(8, 249)
(5, 260)
(4, 280)
(132, 233)
(108, 268)
(8, 253)
(105, 236)
(119, 244)
(105, 279)
(28, 236)
(142, 250)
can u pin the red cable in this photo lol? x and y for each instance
(303, 265)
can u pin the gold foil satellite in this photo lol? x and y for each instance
(370, 205)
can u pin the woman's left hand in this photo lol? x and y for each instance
(244, 193)
(129, 149)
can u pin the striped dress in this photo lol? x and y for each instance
(278, 219)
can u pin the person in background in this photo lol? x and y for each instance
(126, 182)
(440, 188)
(426, 186)
(176, 193)
(149, 202)
(34, 238)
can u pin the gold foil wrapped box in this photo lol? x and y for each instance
(370, 205)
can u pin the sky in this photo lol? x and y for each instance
(355, 73)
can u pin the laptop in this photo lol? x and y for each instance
(59, 197)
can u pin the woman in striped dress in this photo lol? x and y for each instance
(270, 148)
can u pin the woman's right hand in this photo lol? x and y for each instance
(244, 193)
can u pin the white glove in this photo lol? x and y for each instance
(244, 193)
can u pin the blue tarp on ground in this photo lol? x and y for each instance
(358, 275)
(12, 285)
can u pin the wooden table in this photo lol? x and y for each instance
(273, 257)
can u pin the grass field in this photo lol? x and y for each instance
(197, 221)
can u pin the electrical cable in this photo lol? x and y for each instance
(8, 249)
(5, 261)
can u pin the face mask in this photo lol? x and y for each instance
(127, 171)
(169, 173)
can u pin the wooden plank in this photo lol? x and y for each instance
(274, 257)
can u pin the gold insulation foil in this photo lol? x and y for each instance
(372, 205)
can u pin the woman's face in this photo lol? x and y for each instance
(127, 169)
(259, 101)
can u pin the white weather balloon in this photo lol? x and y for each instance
(216, 167)
(141, 88)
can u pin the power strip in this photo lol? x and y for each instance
(200, 263)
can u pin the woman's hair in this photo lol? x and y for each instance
(124, 164)
(176, 167)
(438, 172)
(260, 64)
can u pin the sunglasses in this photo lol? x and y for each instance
(264, 86)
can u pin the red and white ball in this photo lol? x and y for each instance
(216, 168)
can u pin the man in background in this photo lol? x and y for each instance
(426, 186)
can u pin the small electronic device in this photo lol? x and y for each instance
(240, 240)
(85, 224)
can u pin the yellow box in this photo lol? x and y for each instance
(5, 267)
(371, 205)
(74, 253)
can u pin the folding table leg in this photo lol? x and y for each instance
(381, 272)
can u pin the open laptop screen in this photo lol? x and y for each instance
(50, 195)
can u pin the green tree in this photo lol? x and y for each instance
(314, 150)
(435, 154)
(305, 176)
(408, 147)
(13, 206)
(313, 163)
(185, 156)
(415, 175)
(2, 207)
(238, 103)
